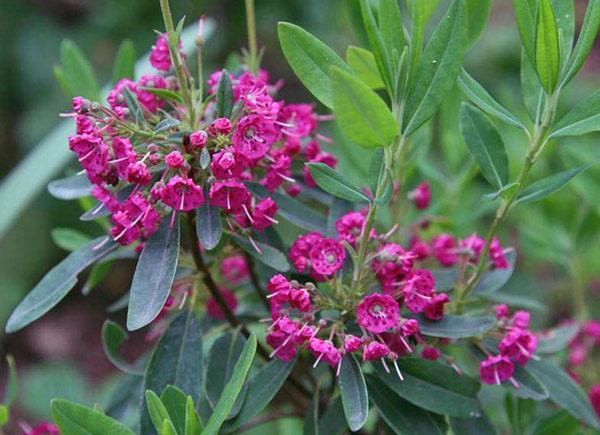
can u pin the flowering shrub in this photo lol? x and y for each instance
(392, 310)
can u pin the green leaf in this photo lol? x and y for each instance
(484, 101)
(113, 335)
(557, 339)
(176, 360)
(310, 59)
(495, 279)
(547, 186)
(530, 387)
(57, 283)
(223, 355)
(585, 41)
(4, 415)
(485, 145)
(224, 96)
(565, 21)
(290, 208)
(153, 275)
(156, 409)
(74, 419)
(12, 383)
(362, 62)
(268, 255)
(433, 386)
(208, 224)
(582, 119)
(362, 115)
(193, 426)
(472, 426)
(390, 27)
(332, 182)
(99, 271)
(232, 389)
(77, 72)
(262, 388)
(525, 16)
(531, 89)
(175, 402)
(506, 192)
(420, 13)
(478, 13)
(547, 50)
(74, 187)
(134, 106)
(438, 68)
(354, 393)
(168, 428)
(69, 239)
(564, 391)
(333, 421)
(560, 423)
(402, 416)
(165, 94)
(311, 421)
(124, 65)
(377, 44)
(453, 326)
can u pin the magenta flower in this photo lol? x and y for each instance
(421, 196)
(231, 196)
(350, 227)
(594, 395)
(159, 56)
(213, 309)
(430, 353)
(147, 99)
(519, 345)
(497, 255)
(198, 139)
(182, 194)
(234, 269)
(174, 160)
(352, 343)
(374, 351)
(253, 137)
(496, 369)
(435, 307)
(43, 428)
(324, 350)
(377, 313)
(418, 290)
(226, 164)
(263, 215)
(220, 126)
(327, 256)
(444, 249)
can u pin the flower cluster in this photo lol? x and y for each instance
(147, 160)
(518, 345)
(448, 250)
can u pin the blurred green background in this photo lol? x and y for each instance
(557, 239)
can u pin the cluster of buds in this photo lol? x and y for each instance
(145, 163)
(518, 345)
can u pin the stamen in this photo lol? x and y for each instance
(387, 369)
(398, 370)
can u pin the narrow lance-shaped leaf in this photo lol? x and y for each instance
(57, 283)
(77, 73)
(483, 100)
(531, 88)
(525, 15)
(585, 42)
(262, 388)
(74, 419)
(478, 13)
(485, 145)
(402, 416)
(547, 50)
(124, 61)
(208, 224)
(545, 187)
(390, 26)
(452, 326)
(362, 62)
(176, 360)
(433, 386)
(495, 279)
(582, 119)
(156, 409)
(530, 386)
(266, 254)
(12, 387)
(69, 239)
(377, 44)
(113, 335)
(224, 95)
(330, 181)
(153, 275)
(354, 393)
(472, 426)
(175, 402)
(232, 389)
(438, 68)
(420, 13)
(556, 339)
(193, 425)
(361, 114)
(74, 187)
(310, 59)
(311, 421)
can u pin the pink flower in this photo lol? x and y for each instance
(578, 354)
(44, 428)
(182, 194)
(325, 350)
(391, 265)
(300, 299)
(377, 313)
(419, 248)
(418, 290)
(80, 105)
(444, 249)
(594, 395)
(134, 219)
(430, 353)
(263, 214)
(501, 311)
(300, 250)
(159, 56)
(322, 157)
(474, 244)
(198, 139)
(327, 256)
(83, 124)
(123, 154)
(435, 308)
(105, 197)
(409, 327)
(226, 164)
(520, 319)
(234, 269)
(92, 153)
(352, 343)
(277, 173)
(253, 137)
(138, 173)
(115, 97)
(213, 309)
(147, 99)
(350, 226)
(220, 126)
(281, 338)
(374, 351)
(231, 196)
(497, 255)
(298, 121)
(496, 369)
(592, 329)
(174, 160)
(519, 345)
(421, 196)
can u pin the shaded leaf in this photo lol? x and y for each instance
(74, 419)
(453, 326)
(332, 182)
(113, 335)
(354, 394)
(208, 224)
(585, 41)
(547, 50)
(472, 426)
(478, 13)
(560, 423)
(495, 279)
(224, 95)
(546, 186)
(175, 403)
(69, 239)
(582, 119)
(556, 339)
(74, 187)
(268, 255)
(311, 421)
(156, 409)
(525, 14)
(77, 72)
(12, 384)
(124, 61)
